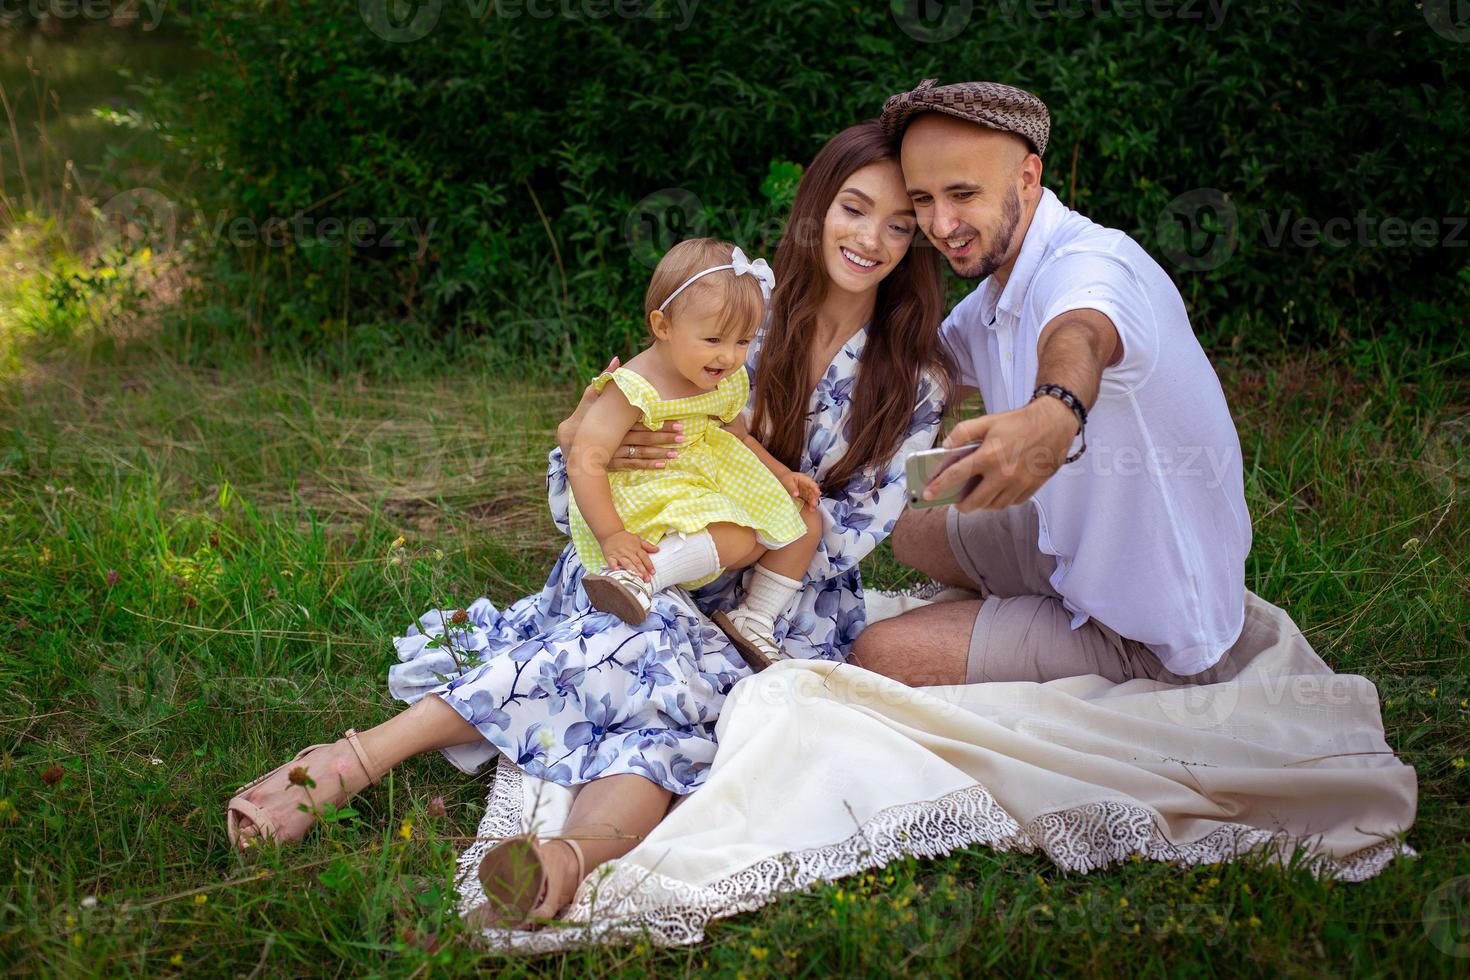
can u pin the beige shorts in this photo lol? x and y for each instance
(1023, 632)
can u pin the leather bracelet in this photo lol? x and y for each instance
(1075, 404)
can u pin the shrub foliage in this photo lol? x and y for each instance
(521, 161)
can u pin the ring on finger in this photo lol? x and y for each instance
(632, 452)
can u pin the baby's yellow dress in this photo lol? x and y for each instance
(715, 479)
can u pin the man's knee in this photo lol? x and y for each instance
(913, 538)
(870, 646)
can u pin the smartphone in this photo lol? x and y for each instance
(923, 466)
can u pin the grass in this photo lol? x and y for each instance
(200, 574)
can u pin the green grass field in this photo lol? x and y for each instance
(199, 577)
(200, 572)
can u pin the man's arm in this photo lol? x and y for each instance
(1022, 448)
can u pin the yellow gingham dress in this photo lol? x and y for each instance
(715, 478)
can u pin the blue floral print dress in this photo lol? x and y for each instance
(571, 694)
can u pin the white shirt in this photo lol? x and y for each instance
(1149, 528)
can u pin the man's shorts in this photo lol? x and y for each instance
(1023, 632)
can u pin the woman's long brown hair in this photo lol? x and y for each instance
(903, 339)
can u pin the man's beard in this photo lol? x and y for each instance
(994, 256)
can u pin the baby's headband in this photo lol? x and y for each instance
(741, 265)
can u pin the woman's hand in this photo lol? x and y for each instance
(803, 488)
(624, 549)
(642, 449)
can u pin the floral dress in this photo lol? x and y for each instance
(571, 694)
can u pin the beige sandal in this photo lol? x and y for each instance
(757, 647)
(239, 806)
(514, 877)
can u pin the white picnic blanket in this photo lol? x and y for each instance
(825, 770)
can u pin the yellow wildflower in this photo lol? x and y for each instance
(200, 899)
(405, 830)
(759, 952)
(397, 543)
(1123, 902)
(176, 960)
(1253, 922)
(8, 812)
(1458, 763)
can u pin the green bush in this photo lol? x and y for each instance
(520, 147)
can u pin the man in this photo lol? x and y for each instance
(1108, 530)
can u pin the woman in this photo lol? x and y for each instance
(577, 697)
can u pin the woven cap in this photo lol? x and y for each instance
(990, 104)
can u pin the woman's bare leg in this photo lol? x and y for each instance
(609, 817)
(422, 727)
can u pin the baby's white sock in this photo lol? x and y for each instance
(770, 593)
(687, 559)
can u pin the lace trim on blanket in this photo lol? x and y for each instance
(623, 903)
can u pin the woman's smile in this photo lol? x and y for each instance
(857, 261)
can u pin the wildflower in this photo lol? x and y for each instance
(89, 902)
(111, 577)
(436, 807)
(176, 960)
(438, 554)
(1433, 692)
(53, 775)
(1253, 922)
(155, 761)
(8, 812)
(76, 940)
(300, 777)
(1123, 902)
(200, 899)
(1458, 763)
(44, 558)
(1411, 544)
(405, 830)
(460, 617)
(397, 543)
(758, 952)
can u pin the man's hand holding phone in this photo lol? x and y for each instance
(1016, 452)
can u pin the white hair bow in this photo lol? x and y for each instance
(759, 268)
(765, 277)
